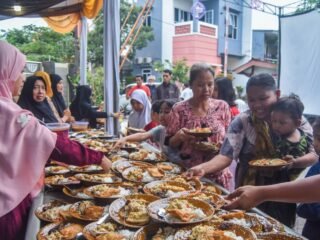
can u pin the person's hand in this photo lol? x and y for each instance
(183, 136)
(67, 113)
(117, 114)
(245, 198)
(290, 160)
(106, 164)
(119, 143)
(196, 171)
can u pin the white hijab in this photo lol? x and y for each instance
(140, 119)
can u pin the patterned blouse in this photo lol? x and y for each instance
(239, 144)
(217, 119)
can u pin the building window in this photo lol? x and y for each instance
(181, 15)
(147, 21)
(209, 16)
(146, 72)
(233, 26)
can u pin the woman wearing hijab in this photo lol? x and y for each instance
(81, 107)
(33, 98)
(141, 106)
(25, 146)
(57, 90)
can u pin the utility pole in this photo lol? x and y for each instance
(226, 42)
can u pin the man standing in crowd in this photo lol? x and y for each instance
(167, 90)
(152, 86)
(140, 85)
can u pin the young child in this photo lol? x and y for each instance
(157, 134)
(290, 144)
(155, 109)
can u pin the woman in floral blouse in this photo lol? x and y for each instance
(199, 111)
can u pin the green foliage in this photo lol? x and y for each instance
(308, 5)
(179, 69)
(95, 80)
(240, 90)
(95, 38)
(42, 43)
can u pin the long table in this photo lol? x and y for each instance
(45, 196)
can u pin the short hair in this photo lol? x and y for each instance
(151, 77)
(156, 106)
(290, 105)
(197, 69)
(263, 80)
(225, 90)
(167, 71)
(139, 76)
(169, 102)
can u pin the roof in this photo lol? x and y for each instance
(39, 8)
(252, 64)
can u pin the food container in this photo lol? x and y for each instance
(59, 128)
(79, 126)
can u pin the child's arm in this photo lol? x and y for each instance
(137, 137)
(305, 161)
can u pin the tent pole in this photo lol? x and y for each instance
(83, 50)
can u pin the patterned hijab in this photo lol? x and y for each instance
(41, 110)
(22, 158)
(263, 145)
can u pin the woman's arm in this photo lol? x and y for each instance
(215, 165)
(304, 190)
(72, 152)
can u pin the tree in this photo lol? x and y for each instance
(179, 68)
(42, 43)
(95, 38)
(308, 5)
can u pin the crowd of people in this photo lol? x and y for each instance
(272, 127)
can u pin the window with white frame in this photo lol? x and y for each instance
(233, 26)
(209, 16)
(181, 15)
(147, 21)
(146, 72)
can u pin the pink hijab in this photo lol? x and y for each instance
(25, 145)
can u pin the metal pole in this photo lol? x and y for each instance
(225, 69)
(83, 51)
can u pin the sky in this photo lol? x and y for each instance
(260, 20)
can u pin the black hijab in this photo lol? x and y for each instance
(40, 110)
(57, 97)
(81, 105)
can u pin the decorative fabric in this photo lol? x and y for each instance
(66, 23)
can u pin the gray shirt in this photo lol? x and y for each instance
(167, 91)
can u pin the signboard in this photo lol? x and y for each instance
(198, 10)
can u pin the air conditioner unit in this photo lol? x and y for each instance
(147, 60)
(138, 60)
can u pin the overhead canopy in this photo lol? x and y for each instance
(61, 15)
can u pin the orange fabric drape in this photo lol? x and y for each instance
(66, 23)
